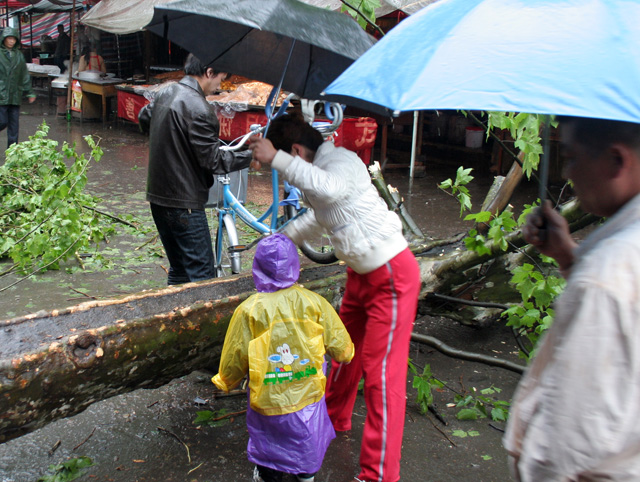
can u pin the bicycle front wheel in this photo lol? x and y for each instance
(319, 249)
(227, 263)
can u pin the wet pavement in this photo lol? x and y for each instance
(149, 435)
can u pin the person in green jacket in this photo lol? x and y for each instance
(15, 82)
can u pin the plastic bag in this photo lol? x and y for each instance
(76, 96)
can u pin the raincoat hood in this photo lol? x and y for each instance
(276, 264)
(10, 32)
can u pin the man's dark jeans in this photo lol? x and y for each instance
(10, 117)
(187, 241)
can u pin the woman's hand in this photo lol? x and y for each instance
(263, 150)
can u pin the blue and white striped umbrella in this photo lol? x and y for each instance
(565, 57)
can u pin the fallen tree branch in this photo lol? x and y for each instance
(483, 304)
(41, 268)
(111, 216)
(11, 269)
(467, 355)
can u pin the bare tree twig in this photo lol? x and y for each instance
(84, 441)
(355, 9)
(82, 293)
(54, 448)
(178, 439)
(108, 215)
(228, 415)
(442, 432)
(152, 240)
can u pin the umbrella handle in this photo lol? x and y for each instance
(268, 109)
(335, 113)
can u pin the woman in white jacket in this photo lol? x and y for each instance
(383, 282)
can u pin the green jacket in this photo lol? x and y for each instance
(15, 80)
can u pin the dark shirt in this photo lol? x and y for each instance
(63, 45)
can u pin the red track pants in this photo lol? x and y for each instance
(378, 310)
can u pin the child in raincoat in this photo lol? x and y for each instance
(279, 337)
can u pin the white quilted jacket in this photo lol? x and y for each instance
(364, 233)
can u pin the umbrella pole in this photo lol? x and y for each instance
(279, 88)
(70, 84)
(31, 33)
(275, 183)
(414, 141)
(544, 163)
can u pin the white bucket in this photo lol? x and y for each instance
(473, 137)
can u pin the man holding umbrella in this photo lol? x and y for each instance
(574, 413)
(184, 154)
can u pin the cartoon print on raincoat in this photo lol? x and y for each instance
(284, 371)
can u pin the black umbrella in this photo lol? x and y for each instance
(266, 40)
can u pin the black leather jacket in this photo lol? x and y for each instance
(184, 151)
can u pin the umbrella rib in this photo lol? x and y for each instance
(306, 77)
(230, 47)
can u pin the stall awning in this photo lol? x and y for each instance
(121, 16)
(13, 4)
(43, 24)
(47, 6)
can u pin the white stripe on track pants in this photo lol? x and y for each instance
(378, 310)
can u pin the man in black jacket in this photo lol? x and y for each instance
(184, 154)
(63, 46)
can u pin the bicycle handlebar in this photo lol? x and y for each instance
(255, 129)
(333, 111)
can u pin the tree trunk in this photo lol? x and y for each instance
(501, 192)
(55, 364)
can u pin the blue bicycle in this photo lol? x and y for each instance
(229, 208)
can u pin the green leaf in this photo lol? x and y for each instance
(481, 217)
(67, 471)
(463, 176)
(207, 417)
(467, 414)
(499, 415)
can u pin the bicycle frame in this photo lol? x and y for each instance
(232, 207)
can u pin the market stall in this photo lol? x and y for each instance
(240, 104)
